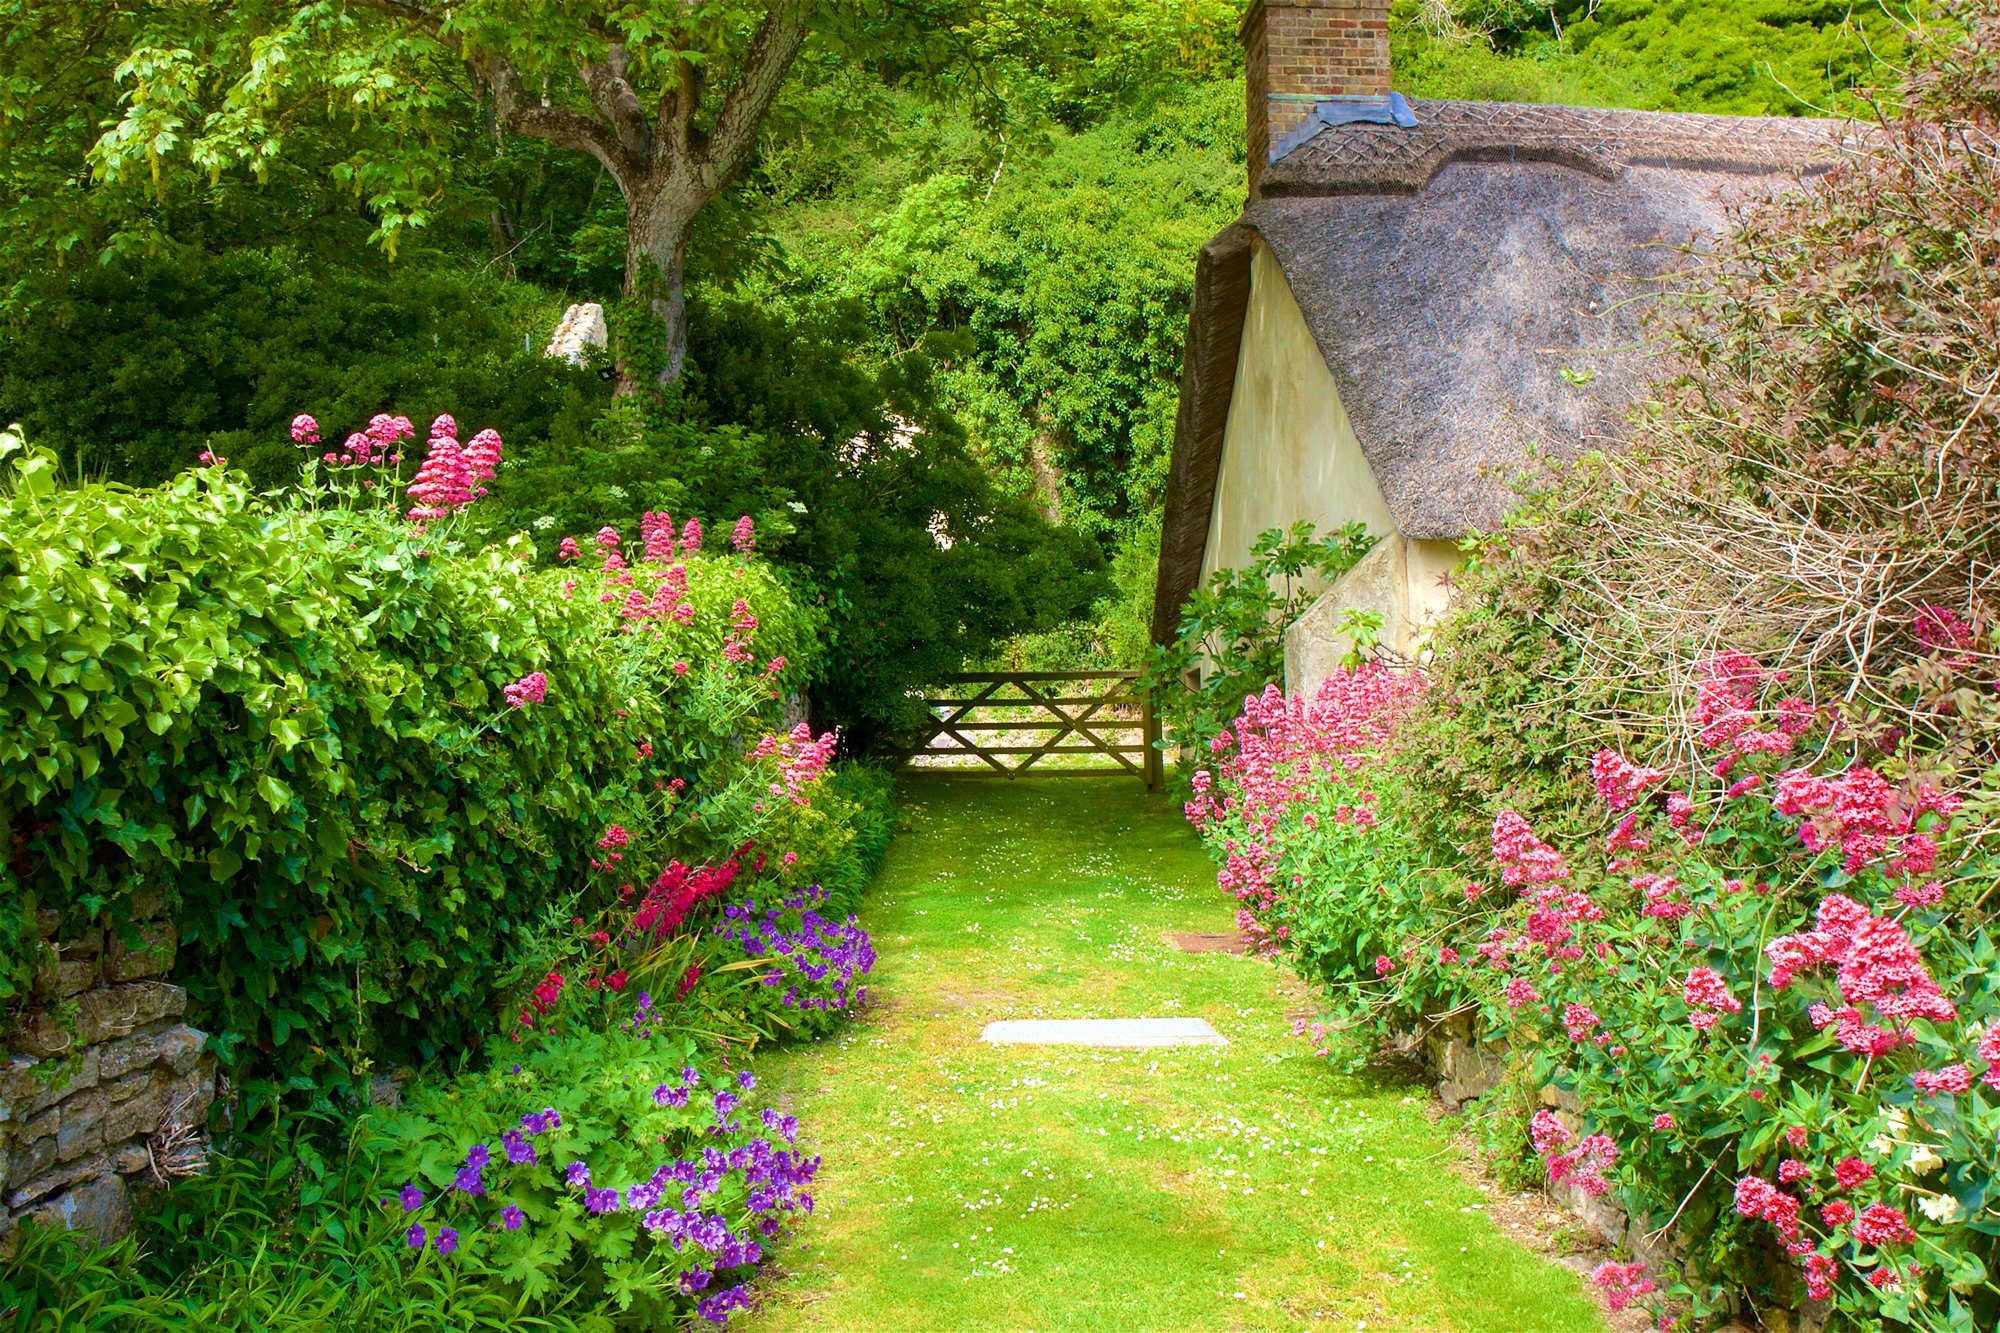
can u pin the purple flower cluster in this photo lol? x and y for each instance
(688, 1203)
(817, 960)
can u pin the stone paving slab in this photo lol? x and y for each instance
(1127, 1033)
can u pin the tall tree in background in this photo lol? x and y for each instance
(668, 95)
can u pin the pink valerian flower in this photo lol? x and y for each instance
(1819, 1271)
(443, 485)
(1707, 995)
(743, 537)
(209, 458)
(1578, 1020)
(657, 532)
(529, 689)
(1622, 1283)
(1879, 1225)
(1548, 1133)
(567, 549)
(305, 431)
(1851, 1171)
(1621, 783)
(1877, 965)
(1989, 1051)
(1837, 1213)
(1663, 897)
(444, 424)
(691, 537)
(1584, 1166)
(1791, 1171)
(615, 839)
(1949, 1081)
(1863, 816)
(1884, 1277)
(1384, 965)
(482, 456)
(1663, 1122)
(607, 538)
(1759, 1198)
(1928, 894)
(387, 431)
(1520, 993)
(1625, 838)
(803, 759)
(1524, 858)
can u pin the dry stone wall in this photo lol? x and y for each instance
(104, 1087)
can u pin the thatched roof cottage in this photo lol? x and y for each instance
(1421, 299)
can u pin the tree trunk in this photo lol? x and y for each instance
(656, 238)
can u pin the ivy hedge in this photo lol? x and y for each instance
(290, 715)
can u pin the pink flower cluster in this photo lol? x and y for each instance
(1622, 1283)
(1621, 783)
(1875, 964)
(529, 689)
(1708, 998)
(1583, 1165)
(1730, 715)
(1866, 818)
(743, 537)
(452, 476)
(1524, 858)
(802, 760)
(1268, 761)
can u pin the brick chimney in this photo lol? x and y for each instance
(1304, 51)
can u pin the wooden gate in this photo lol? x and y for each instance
(1010, 721)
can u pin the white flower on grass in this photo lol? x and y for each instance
(545, 522)
(1923, 1160)
(1942, 1209)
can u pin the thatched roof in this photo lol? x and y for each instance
(1477, 286)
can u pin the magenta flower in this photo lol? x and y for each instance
(412, 1198)
(304, 430)
(447, 1241)
(529, 689)
(744, 535)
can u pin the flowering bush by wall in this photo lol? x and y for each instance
(371, 767)
(1768, 979)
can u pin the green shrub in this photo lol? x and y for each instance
(128, 370)
(289, 718)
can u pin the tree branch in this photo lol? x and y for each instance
(523, 114)
(514, 108)
(611, 93)
(762, 74)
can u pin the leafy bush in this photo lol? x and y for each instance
(1773, 993)
(367, 766)
(308, 1222)
(633, 1183)
(127, 370)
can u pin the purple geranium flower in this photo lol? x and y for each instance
(511, 1217)
(447, 1241)
(412, 1197)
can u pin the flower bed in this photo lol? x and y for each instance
(1768, 983)
(416, 805)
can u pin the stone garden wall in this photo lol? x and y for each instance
(104, 1087)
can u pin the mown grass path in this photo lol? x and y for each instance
(1193, 1188)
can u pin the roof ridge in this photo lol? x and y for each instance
(1366, 157)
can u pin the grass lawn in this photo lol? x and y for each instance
(1250, 1186)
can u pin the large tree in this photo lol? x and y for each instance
(668, 95)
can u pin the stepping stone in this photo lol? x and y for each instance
(1126, 1033)
(1202, 942)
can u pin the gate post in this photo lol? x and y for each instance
(1150, 729)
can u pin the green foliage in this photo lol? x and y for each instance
(921, 563)
(288, 717)
(1742, 57)
(1231, 640)
(130, 371)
